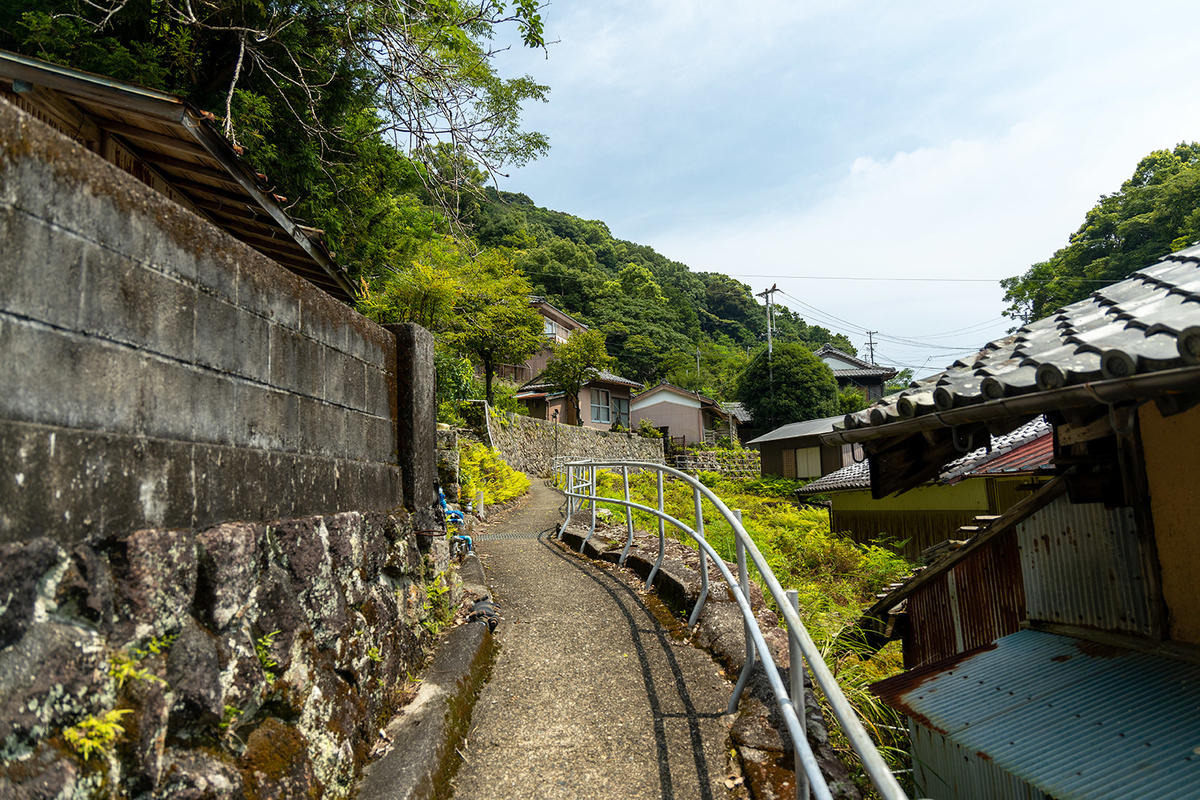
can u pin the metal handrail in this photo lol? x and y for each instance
(581, 475)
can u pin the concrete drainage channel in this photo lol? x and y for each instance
(425, 736)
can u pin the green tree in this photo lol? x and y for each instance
(1154, 213)
(803, 387)
(851, 399)
(899, 381)
(493, 321)
(574, 363)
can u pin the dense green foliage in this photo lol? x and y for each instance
(1155, 212)
(481, 469)
(795, 385)
(656, 314)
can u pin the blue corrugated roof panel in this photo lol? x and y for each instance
(1076, 719)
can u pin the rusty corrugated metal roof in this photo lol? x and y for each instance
(1029, 457)
(1076, 719)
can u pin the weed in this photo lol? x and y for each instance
(155, 646)
(373, 654)
(262, 648)
(124, 668)
(437, 610)
(96, 734)
(230, 717)
(480, 468)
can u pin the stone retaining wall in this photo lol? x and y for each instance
(255, 659)
(734, 463)
(530, 445)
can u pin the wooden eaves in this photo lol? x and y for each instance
(182, 154)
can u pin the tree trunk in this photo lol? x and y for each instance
(487, 380)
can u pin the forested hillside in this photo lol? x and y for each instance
(1155, 212)
(655, 312)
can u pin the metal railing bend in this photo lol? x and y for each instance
(580, 491)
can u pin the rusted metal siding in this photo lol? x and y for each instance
(1082, 566)
(976, 602)
(945, 771)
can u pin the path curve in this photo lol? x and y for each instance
(590, 696)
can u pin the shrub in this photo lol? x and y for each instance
(480, 468)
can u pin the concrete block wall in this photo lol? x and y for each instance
(157, 373)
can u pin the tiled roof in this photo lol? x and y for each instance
(602, 376)
(851, 476)
(808, 427)
(1148, 323)
(870, 372)
(977, 462)
(859, 368)
(738, 411)
(690, 393)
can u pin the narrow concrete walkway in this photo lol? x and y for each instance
(590, 696)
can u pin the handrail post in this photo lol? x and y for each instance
(570, 500)
(744, 582)
(662, 531)
(628, 517)
(796, 670)
(703, 562)
(590, 472)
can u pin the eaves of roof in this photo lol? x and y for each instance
(183, 149)
(793, 430)
(1136, 339)
(1028, 448)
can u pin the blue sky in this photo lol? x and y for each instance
(789, 142)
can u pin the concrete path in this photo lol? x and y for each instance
(590, 696)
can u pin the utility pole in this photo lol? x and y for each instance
(768, 294)
(871, 345)
(697, 367)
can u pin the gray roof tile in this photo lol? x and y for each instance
(1148, 322)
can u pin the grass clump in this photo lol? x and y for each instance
(96, 735)
(481, 469)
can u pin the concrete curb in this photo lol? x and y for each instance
(426, 734)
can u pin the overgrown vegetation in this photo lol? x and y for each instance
(96, 734)
(834, 577)
(480, 469)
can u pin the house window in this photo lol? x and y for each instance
(600, 406)
(789, 463)
(808, 462)
(620, 407)
(549, 328)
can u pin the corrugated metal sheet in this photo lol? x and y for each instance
(918, 530)
(977, 601)
(1082, 566)
(1028, 457)
(944, 771)
(1075, 719)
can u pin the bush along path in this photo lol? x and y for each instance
(591, 696)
